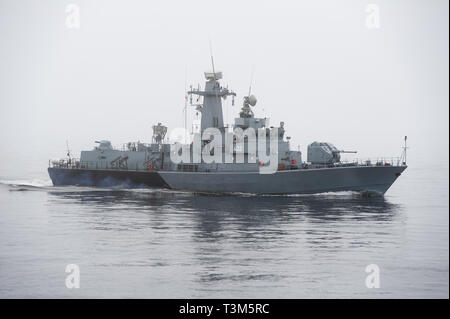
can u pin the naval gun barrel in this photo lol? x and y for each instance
(342, 151)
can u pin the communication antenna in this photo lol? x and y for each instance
(228, 114)
(68, 150)
(405, 147)
(185, 103)
(251, 80)
(198, 89)
(212, 59)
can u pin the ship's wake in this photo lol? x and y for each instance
(47, 185)
(23, 183)
(127, 186)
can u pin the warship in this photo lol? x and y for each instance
(248, 157)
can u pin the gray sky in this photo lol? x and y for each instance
(318, 68)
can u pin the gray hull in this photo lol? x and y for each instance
(105, 178)
(371, 179)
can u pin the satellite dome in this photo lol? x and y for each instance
(252, 100)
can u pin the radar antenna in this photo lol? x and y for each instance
(159, 133)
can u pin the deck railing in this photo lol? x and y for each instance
(75, 163)
(375, 161)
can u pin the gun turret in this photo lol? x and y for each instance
(324, 153)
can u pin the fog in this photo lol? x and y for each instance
(317, 67)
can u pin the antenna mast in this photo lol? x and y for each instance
(404, 150)
(212, 59)
(251, 80)
(68, 150)
(185, 104)
(213, 69)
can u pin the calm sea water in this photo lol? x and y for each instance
(146, 243)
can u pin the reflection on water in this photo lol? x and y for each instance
(163, 243)
(259, 241)
(213, 212)
(215, 217)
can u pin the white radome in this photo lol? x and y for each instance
(252, 100)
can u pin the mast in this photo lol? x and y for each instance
(185, 106)
(211, 109)
(404, 150)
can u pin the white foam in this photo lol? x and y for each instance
(27, 183)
